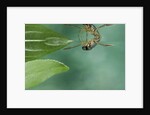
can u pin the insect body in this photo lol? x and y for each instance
(91, 29)
(89, 44)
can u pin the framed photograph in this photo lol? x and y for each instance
(75, 57)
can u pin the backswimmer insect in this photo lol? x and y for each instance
(90, 44)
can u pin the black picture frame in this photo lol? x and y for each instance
(34, 3)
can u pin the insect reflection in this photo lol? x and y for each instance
(90, 44)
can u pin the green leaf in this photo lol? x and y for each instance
(38, 71)
(40, 40)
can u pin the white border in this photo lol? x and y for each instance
(17, 97)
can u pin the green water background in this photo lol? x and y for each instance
(102, 68)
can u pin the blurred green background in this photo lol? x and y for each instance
(102, 68)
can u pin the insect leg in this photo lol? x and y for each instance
(79, 35)
(86, 36)
(104, 44)
(103, 26)
(72, 47)
(81, 29)
(73, 26)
